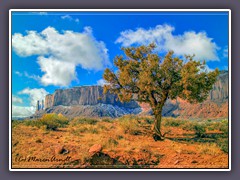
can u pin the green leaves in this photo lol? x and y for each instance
(153, 79)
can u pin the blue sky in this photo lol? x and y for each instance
(63, 49)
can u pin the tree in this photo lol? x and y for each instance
(149, 78)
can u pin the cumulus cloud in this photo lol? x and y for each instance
(56, 72)
(22, 111)
(190, 42)
(101, 82)
(16, 99)
(60, 53)
(34, 95)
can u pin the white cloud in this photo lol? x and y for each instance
(34, 95)
(22, 111)
(70, 18)
(189, 42)
(101, 82)
(18, 73)
(16, 99)
(67, 17)
(56, 72)
(77, 20)
(225, 52)
(62, 49)
(35, 77)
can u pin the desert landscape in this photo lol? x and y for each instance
(120, 89)
(84, 128)
(124, 142)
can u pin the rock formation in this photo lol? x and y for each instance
(85, 95)
(90, 101)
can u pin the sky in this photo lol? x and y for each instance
(53, 50)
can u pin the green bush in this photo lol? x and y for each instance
(199, 130)
(173, 122)
(111, 143)
(129, 125)
(223, 144)
(49, 121)
(107, 120)
(224, 126)
(16, 123)
(83, 120)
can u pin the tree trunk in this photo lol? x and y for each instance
(157, 124)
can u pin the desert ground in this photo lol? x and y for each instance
(54, 141)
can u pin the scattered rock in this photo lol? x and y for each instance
(15, 143)
(61, 150)
(38, 141)
(194, 162)
(95, 149)
(176, 162)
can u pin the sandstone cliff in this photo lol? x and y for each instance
(85, 95)
(219, 92)
(90, 101)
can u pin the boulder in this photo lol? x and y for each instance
(96, 148)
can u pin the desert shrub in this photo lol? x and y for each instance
(224, 126)
(189, 126)
(221, 126)
(210, 149)
(92, 130)
(199, 130)
(83, 120)
(119, 137)
(31, 123)
(173, 122)
(80, 129)
(102, 127)
(48, 121)
(53, 121)
(129, 125)
(213, 125)
(223, 144)
(107, 120)
(16, 123)
(111, 143)
(148, 120)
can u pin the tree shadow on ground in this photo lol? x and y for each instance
(204, 138)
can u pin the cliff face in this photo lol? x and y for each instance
(220, 88)
(86, 95)
(90, 101)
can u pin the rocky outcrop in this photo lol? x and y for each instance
(98, 110)
(85, 95)
(91, 101)
(219, 92)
